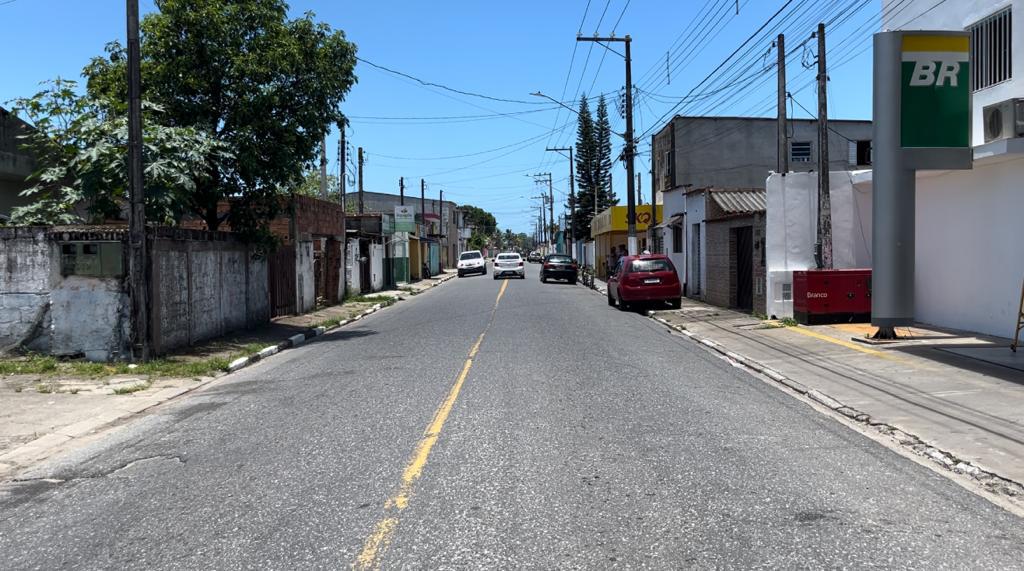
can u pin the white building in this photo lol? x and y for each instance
(970, 224)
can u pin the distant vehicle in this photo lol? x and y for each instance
(559, 267)
(533, 257)
(509, 264)
(648, 278)
(472, 262)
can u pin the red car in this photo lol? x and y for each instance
(647, 278)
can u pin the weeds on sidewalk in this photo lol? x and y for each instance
(51, 367)
(134, 388)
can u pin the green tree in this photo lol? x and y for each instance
(81, 158)
(267, 86)
(603, 161)
(310, 186)
(593, 167)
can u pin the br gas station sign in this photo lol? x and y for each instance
(922, 121)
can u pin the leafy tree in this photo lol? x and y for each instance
(81, 155)
(267, 86)
(310, 186)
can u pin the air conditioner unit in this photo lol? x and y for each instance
(1004, 120)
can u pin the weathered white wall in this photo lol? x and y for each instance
(674, 204)
(970, 247)
(305, 280)
(696, 209)
(90, 317)
(376, 267)
(352, 267)
(24, 286)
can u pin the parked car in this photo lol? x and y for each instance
(559, 267)
(509, 264)
(648, 278)
(472, 262)
(533, 257)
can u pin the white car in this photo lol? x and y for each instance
(509, 264)
(472, 262)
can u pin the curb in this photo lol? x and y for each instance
(41, 448)
(990, 481)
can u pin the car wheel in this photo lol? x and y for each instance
(572, 281)
(675, 303)
(543, 280)
(495, 276)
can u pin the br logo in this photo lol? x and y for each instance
(937, 74)
(643, 217)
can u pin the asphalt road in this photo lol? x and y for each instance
(570, 435)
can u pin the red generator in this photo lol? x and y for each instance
(832, 296)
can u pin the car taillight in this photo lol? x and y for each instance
(549, 266)
(520, 262)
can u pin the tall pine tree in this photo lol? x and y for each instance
(603, 163)
(586, 156)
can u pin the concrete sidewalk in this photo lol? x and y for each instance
(958, 393)
(42, 414)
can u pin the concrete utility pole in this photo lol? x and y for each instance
(824, 246)
(423, 201)
(401, 190)
(323, 169)
(440, 222)
(628, 150)
(654, 192)
(783, 160)
(569, 238)
(360, 180)
(137, 211)
(341, 163)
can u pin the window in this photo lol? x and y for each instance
(94, 259)
(677, 239)
(470, 256)
(860, 153)
(990, 50)
(800, 151)
(650, 266)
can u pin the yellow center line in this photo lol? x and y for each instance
(378, 541)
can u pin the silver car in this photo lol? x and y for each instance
(510, 264)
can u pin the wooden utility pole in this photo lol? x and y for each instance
(628, 152)
(783, 160)
(137, 211)
(824, 200)
(360, 159)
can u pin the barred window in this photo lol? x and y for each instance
(799, 151)
(990, 50)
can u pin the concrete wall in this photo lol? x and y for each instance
(675, 203)
(376, 267)
(305, 279)
(740, 152)
(24, 287)
(352, 267)
(696, 267)
(15, 164)
(203, 288)
(44, 311)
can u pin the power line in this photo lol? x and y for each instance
(447, 88)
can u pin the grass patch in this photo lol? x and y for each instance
(31, 365)
(788, 322)
(251, 348)
(134, 388)
(44, 388)
(169, 368)
(382, 299)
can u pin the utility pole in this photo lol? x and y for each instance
(782, 165)
(137, 212)
(341, 163)
(423, 201)
(570, 240)
(323, 168)
(628, 150)
(360, 180)
(401, 190)
(440, 223)
(824, 200)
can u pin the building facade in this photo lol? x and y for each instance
(15, 164)
(970, 224)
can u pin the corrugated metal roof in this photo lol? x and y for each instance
(739, 201)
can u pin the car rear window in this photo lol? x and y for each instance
(651, 266)
(508, 256)
(560, 259)
(469, 256)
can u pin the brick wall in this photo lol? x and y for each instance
(721, 259)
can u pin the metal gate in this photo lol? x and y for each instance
(744, 241)
(281, 280)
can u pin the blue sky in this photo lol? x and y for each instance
(508, 50)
